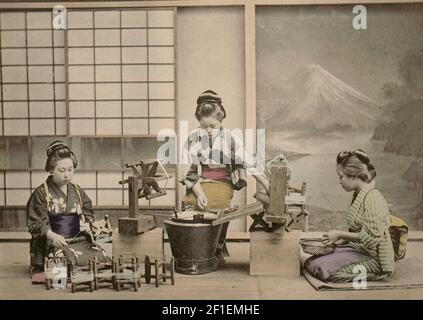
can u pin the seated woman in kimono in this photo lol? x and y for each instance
(59, 211)
(367, 244)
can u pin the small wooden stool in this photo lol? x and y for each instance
(159, 263)
(82, 276)
(126, 271)
(103, 273)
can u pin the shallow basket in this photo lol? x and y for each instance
(316, 247)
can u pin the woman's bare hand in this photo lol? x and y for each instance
(57, 240)
(331, 237)
(202, 201)
(201, 197)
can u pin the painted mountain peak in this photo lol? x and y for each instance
(315, 99)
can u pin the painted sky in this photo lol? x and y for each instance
(288, 37)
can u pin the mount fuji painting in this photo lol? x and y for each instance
(323, 87)
(314, 99)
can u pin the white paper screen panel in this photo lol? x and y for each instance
(32, 74)
(115, 57)
(118, 82)
(122, 62)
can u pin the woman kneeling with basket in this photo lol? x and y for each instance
(367, 243)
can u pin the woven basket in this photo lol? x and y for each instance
(316, 247)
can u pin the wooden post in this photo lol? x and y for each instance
(136, 223)
(133, 196)
(303, 189)
(278, 189)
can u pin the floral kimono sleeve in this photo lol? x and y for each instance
(37, 216)
(87, 206)
(240, 161)
(191, 178)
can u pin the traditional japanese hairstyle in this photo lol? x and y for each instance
(356, 164)
(209, 103)
(372, 171)
(56, 151)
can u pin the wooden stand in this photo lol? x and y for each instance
(150, 243)
(275, 254)
(82, 276)
(137, 225)
(275, 233)
(276, 212)
(126, 271)
(103, 273)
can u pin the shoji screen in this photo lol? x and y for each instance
(121, 72)
(106, 85)
(33, 88)
(33, 100)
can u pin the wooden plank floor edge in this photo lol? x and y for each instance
(22, 236)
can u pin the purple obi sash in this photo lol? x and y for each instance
(67, 225)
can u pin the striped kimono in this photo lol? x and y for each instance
(368, 216)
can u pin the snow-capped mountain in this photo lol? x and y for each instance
(313, 98)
